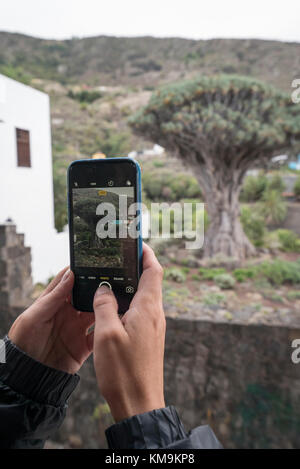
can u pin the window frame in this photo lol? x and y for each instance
(23, 148)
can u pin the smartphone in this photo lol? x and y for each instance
(104, 198)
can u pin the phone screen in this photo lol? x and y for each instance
(104, 230)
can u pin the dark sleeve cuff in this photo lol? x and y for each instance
(34, 380)
(156, 429)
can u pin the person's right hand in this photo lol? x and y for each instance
(129, 352)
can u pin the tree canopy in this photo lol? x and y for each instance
(221, 126)
(226, 116)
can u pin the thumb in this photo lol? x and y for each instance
(106, 312)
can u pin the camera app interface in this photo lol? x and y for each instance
(103, 236)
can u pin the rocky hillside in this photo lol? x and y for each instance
(145, 61)
(96, 83)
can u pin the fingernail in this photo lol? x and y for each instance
(101, 290)
(66, 275)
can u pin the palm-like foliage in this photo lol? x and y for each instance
(221, 126)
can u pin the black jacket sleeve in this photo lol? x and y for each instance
(32, 399)
(33, 405)
(159, 428)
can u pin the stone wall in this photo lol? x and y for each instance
(15, 275)
(238, 378)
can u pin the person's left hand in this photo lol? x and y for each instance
(52, 331)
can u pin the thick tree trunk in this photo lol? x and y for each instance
(225, 235)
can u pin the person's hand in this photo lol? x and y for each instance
(129, 352)
(52, 331)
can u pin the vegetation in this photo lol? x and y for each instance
(276, 183)
(276, 272)
(297, 187)
(175, 274)
(220, 126)
(293, 295)
(279, 272)
(113, 60)
(254, 225)
(85, 96)
(16, 73)
(60, 193)
(243, 274)
(224, 281)
(289, 240)
(273, 207)
(106, 140)
(169, 185)
(214, 298)
(210, 274)
(254, 188)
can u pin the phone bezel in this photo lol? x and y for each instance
(97, 164)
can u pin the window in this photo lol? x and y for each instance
(23, 147)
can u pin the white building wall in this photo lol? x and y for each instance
(26, 194)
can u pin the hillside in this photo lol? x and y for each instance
(145, 61)
(96, 83)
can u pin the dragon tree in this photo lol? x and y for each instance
(221, 126)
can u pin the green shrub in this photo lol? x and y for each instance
(111, 251)
(165, 184)
(293, 295)
(106, 140)
(158, 164)
(85, 96)
(279, 272)
(276, 183)
(175, 274)
(224, 281)
(210, 274)
(16, 73)
(274, 297)
(60, 192)
(196, 277)
(253, 225)
(213, 298)
(185, 270)
(289, 241)
(254, 187)
(297, 187)
(275, 272)
(242, 275)
(273, 207)
(185, 222)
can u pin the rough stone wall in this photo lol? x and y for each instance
(15, 275)
(238, 378)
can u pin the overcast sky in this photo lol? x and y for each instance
(197, 19)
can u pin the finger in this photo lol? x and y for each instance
(54, 282)
(106, 313)
(149, 257)
(86, 319)
(90, 341)
(148, 298)
(151, 278)
(55, 298)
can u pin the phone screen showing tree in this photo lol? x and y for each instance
(104, 231)
(90, 248)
